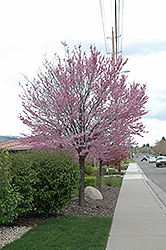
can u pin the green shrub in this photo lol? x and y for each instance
(90, 181)
(92, 171)
(24, 179)
(97, 176)
(89, 169)
(97, 169)
(112, 171)
(8, 198)
(46, 180)
(124, 167)
(104, 170)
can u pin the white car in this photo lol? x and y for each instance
(161, 161)
(152, 159)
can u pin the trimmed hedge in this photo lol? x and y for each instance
(8, 198)
(45, 180)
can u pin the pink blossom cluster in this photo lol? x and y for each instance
(82, 103)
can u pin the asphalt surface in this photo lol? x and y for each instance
(157, 175)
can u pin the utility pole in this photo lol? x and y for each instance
(116, 35)
(113, 46)
(115, 30)
(115, 38)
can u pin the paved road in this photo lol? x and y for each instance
(157, 175)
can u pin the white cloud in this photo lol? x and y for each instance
(31, 28)
(10, 108)
(156, 128)
(144, 47)
(144, 20)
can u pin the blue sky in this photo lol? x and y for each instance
(29, 29)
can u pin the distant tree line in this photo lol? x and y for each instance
(160, 147)
(146, 145)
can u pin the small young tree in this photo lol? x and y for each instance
(77, 100)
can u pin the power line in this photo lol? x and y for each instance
(122, 24)
(116, 34)
(111, 11)
(120, 13)
(116, 18)
(119, 20)
(103, 23)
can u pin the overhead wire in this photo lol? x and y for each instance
(103, 22)
(116, 14)
(122, 25)
(118, 32)
(112, 13)
(119, 12)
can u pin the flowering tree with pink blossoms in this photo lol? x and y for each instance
(115, 147)
(79, 101)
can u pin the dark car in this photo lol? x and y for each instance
(161, 161)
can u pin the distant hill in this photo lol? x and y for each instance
(8, 138)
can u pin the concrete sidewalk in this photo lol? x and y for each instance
(139, 221)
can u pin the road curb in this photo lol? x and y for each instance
(158, 194)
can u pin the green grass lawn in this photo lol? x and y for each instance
(112, 181)
(66, 233)
(69, 233)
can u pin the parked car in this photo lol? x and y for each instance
(152, 159)
(161, 161)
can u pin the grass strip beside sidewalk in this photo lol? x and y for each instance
(64, 233)
(112, 181)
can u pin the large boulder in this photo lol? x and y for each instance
(93, 193)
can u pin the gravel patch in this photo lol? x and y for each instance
(9, 234)
(92, 208)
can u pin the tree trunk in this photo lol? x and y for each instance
(119, 166)
(82, 173)
(100, 172)
(108, 168)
